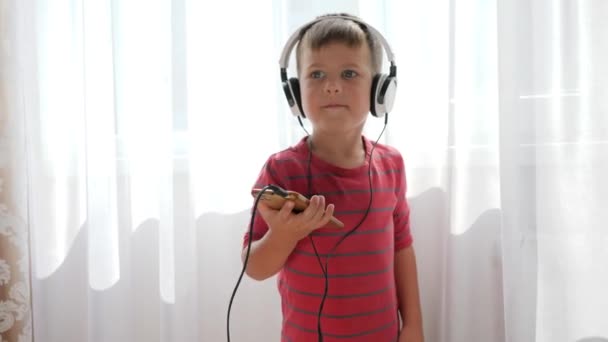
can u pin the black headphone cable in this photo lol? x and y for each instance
(257, 199)
(324, 269)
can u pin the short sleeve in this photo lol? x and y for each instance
(268, 175)
(401, 215)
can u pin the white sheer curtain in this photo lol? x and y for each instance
(133, 130)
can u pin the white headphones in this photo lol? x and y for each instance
(384, 86)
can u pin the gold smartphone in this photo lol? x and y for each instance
(276, 198)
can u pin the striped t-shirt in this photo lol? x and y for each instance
(361, 303)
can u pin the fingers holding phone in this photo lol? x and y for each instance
(276, 197)
(295, 226)
(317, 213)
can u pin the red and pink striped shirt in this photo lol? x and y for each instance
(361, 303)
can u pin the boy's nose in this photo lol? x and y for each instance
(332, 87)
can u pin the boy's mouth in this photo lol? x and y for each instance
(333, 106)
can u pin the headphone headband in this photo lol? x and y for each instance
(284, 60)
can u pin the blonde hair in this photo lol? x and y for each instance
(332, 30)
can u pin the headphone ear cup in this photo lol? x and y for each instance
(294, 83)
(384, 88)
(386, 94)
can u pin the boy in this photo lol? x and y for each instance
(339, 284)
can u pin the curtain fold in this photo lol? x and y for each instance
(554, 132)
(131, 132)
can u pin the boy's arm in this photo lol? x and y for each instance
(407, 290)
(285, 229)
(268, 251)
(267, 256)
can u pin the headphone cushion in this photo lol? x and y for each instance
(373, 98)
(294, 83)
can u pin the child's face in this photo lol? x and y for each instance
(335, 84)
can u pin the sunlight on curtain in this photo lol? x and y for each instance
(73, 159)
(101, 178)
(57, 159)
(445, 116)
(571, 159)
(143, 81)
(558, 110)
(419, 126)
(143, 87)
(100, 57)
(232, 63)
(474, 138)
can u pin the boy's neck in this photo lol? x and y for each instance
(347, 151)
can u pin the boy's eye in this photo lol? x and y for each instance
(349, 74)
(317, 74)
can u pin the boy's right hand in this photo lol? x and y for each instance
(292, 227)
